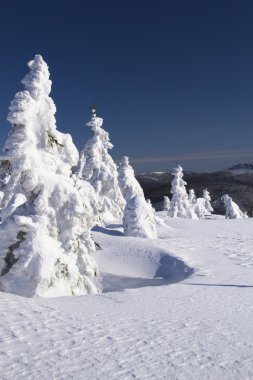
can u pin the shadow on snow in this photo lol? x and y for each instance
(170, 271)
(109, 230)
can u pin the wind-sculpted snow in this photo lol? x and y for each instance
(133, 263)
(199, 328)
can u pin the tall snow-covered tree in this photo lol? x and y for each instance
(166, 203)
(232, 209)
(179, 204)
(139, 218)
(46, 248)
(97, 167)
(129, 185)
(207, 198)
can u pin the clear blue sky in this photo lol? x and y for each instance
(173, 80)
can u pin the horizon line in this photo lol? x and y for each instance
(211, 155)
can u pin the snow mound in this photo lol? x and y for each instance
(132, 262)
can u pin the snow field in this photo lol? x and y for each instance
(198, 328)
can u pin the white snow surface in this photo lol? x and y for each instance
(151, 322)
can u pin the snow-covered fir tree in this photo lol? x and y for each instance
(158, 220)
(166, 203)
(232, 209)
(179, 204)
(207, 198)
(199, 208)
(129, 185)
(150, 205)
(98, 168)
(46, 248)
(192, 197)
(139, 219)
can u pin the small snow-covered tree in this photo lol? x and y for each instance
(166, 203)
(129, 185)
(46, 247)
(192, 197)
(150, 205)
(232, 209)
(207, 198)
(97, 167)
(159, 221)
(199, 208)
(179, 204)
(139, 219)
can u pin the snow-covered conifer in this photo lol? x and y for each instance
(159, 221)
(166, 203)
(199, 208)
(97, 167)
(129, 185)
(192, 197)
(179, 204)
(232, 209)
(207, 198)
(139, 219)
(46, 248)
(150, 204)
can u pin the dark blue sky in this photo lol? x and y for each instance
(173, 80)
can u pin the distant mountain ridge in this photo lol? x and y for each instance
(237, 181)
(245, 167)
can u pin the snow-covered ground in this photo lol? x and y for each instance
(177, 307)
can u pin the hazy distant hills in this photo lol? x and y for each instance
(237, 181)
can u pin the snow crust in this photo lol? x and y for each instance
(198, 328)
(175, 305)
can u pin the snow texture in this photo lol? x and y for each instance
(98, 168)
(129, 185)
(232, 209)
(163, 325)
(179, 204)
(139, 219)
(46, 247)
